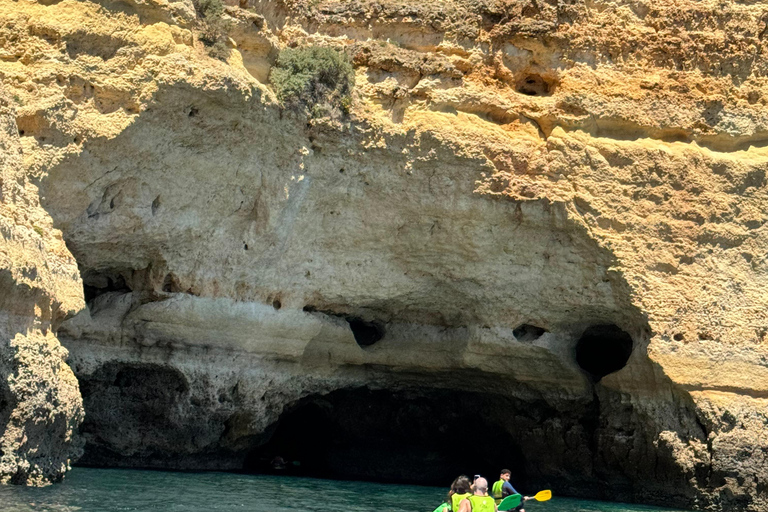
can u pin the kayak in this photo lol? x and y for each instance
(507, 503)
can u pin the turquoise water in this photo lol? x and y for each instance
(113, 490)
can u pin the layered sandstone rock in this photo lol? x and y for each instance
(513, 174)
(40, 403)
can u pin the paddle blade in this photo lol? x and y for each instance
(543, 496)
(510, 502)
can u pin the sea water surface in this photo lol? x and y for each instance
(113, 490)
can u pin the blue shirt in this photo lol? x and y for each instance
(507, 490)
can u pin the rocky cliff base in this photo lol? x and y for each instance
(40, 403)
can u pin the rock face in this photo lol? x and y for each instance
(543, 225)
(40, 402)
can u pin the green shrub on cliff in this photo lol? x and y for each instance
(213, 27)
(315, 80)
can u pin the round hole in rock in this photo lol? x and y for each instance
(534, 85)
(528, 332)
(366, 333)
(277, 304)
(426, 437)
(603, 349)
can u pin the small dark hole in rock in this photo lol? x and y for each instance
(678, 337)
(117, 284)
(366, 333)
(535, 85)
(21, 132)
(193, 112)
(155, 205)
(341, 170)
(528, 332)
(245, 246)
(171, 283)
(603, 349)
(309, 309)
(277, 304)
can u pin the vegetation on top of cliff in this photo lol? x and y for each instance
(213, 27)
(315, 80)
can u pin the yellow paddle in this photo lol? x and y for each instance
(514, 500)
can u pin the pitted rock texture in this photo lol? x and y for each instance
(552, 164)
(40, 403)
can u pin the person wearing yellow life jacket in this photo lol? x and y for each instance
(459, 491)
(479, 501)
(502, 488)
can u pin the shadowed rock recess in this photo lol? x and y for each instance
(541, 224)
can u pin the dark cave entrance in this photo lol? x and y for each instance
(419, 437)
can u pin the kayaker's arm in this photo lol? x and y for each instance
(508, 490)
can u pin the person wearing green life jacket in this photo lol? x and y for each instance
(502, 488)
(459, 491)
(479, 501)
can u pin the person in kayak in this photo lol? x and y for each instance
(479, 501)
(459, 491)
(502, 488)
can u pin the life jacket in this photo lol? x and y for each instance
(496, 491)
(456, 499)
(481, 504)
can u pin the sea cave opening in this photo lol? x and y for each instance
(425, 437)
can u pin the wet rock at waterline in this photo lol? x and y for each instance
(549, 213)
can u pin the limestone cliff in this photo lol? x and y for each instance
(528, 195)
(40, 403)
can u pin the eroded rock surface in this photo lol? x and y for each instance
(514, 173)
(40, 403)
